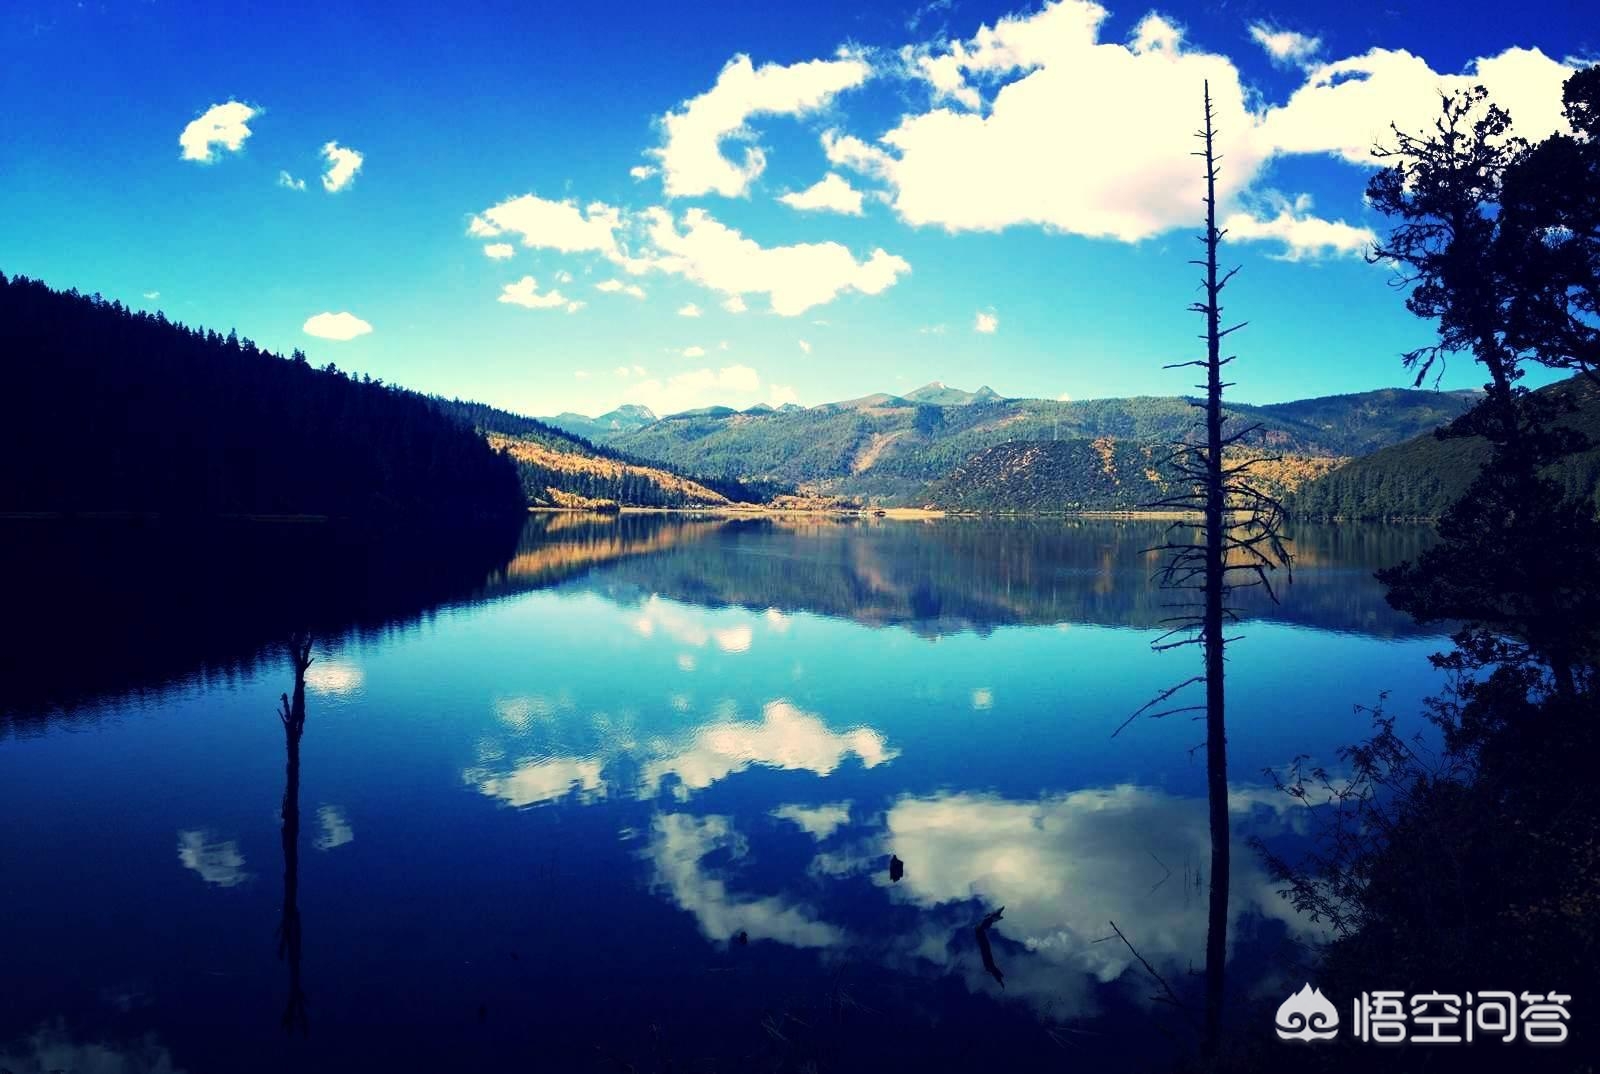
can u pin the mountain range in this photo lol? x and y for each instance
(920, 447)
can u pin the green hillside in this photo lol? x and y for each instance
(888, 448)
(1422, 476)
(1040, 477)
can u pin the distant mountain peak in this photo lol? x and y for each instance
(634, 410)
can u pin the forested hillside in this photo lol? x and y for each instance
(1425, 475)
(1105, 474)
(890, 447)
(109, 410)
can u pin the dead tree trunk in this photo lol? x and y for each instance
(1212, 612)
(1240, 533)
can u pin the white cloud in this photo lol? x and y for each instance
(340, 326)
(525, 292)
(818, 822)
(733, 385)
(642, 171)
(786, 738)
(343, 163)
(986, 322)
(581, 374)
(1287, 48)
(612, 287)
(222, 125)
(688, 309)
(630, 371)
(678, 845)
(218, 862)
(982, 699)
(541, 780)
(336, 830)
(499, 251)
(833, 193)
(1345, 107)
(695, 351)
(805, 347)
(1040, 153)
(1304, 236)
(152, 295)
(552, 225)
(1035, 120)
(778, 395)
(795, 278)
(563, 276)
(289, 182)
(691, 157)
(734, 304)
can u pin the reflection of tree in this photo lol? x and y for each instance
(293, 715)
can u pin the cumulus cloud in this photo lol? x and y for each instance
(642, 171)
(987, 322)
(541, 780)
(152, 295)
(805, 347)
(786, 738)
(289, 182)
(551, 225)
(734, 304)
(1303, 235)
(612, 287)
(833, 193)
(222, 126)
(338, 326)
(688, 309)
(525, 292)
(695, 351)
(343, 163)
(1023, 155)
(818, 822)
(794, 278)
(691, 156)
(1345, 108)
(1006, 139)
(1287, 48)
(679, 843)
(499, 251)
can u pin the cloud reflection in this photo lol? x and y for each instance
(532, 782)
(819, 822)
(679, 843)
(786, 738)
(218, 862)
(51, 1049)
(336, 830)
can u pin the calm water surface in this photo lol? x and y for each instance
(621, 794)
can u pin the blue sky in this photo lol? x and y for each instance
(954, 167)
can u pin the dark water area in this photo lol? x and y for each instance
(622, 793)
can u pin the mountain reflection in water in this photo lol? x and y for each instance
(628, 788)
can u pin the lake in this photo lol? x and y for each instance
(621, 794)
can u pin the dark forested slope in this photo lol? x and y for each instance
(1425, 475)
(109, 410)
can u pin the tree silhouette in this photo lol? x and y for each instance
(1499, 244)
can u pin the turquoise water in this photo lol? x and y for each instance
(627, 797)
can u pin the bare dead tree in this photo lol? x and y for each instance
(1237, 543)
